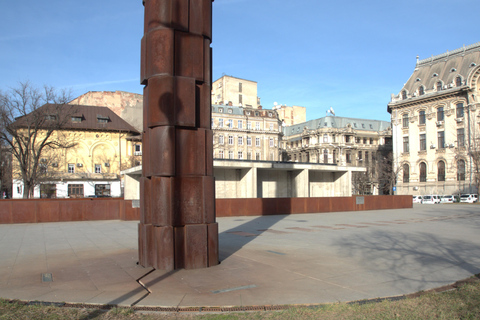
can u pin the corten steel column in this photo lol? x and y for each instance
(177, 226)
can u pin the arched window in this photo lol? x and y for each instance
(461, 170)
(421, 117)
(439, 86)
(405, 120)
(404, 94)
(325, 156)
(458, 81)
(441, 171)
(423, 172)
(421, 91)
(406, 173)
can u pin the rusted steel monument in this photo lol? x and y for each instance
(177, 226)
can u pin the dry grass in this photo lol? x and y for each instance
(461, 303)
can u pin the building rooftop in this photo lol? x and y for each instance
(338, 123)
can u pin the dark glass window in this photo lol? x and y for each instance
(423, 172)
(441, 139)
(440, 114)
(406, 173)
(461, 137)
(461, 170)
(459, 110)
(75, 190)
(421, 91)
(458, 81)
(102, 190)
(404, 94)
(406, 147)
(439, 86)
(423, 141)
(421, 117)
(441, 171)
(325, 156)
(405, 120)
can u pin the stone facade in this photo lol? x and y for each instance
(246, 133)
(234, 91)
(127, 105)
(291, 115)
(338, 141)
(435, 120)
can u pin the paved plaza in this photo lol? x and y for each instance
(270, 260)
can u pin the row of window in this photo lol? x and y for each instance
(440, 171)
(98, 167)
(440, 115)
(240, 141)
(240, 156)
(76, 190)
(240, 123)
(440, 141)
(438, 87)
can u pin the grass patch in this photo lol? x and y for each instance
(460, 303)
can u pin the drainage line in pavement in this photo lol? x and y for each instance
(139, 281)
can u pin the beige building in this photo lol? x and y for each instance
(291, 115)
(339, 141)
(246, 133)
(233, 91)
(103, 145)
(127, 105)
(435, 120)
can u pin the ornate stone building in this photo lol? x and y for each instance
(435, 121)
(245, 133)
(339, 141)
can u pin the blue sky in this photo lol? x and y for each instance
(349, 55)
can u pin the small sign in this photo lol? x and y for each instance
(360, 200)
(47, 277)
(394, 189)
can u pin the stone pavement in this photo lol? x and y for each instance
(271, 260)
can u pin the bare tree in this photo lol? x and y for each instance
(387, 175)
(5, 170)
(30, 119)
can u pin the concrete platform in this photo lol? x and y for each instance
(271, 260)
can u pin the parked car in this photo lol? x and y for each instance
(469, 198)
(431, 199)
(448, 199)
(417, 199)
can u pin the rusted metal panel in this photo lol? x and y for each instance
(48, 211)
(145, 200)
(159, 52)
(172, 14)
(161, 201)
(72, 210)
(189, 52)
(25, 212)
(190, 152)
(185, 106)
(196, 242)
(203, 101)
(6, 212)
(161, 145)
(164, 248)
(213, 248)
(179, 234)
